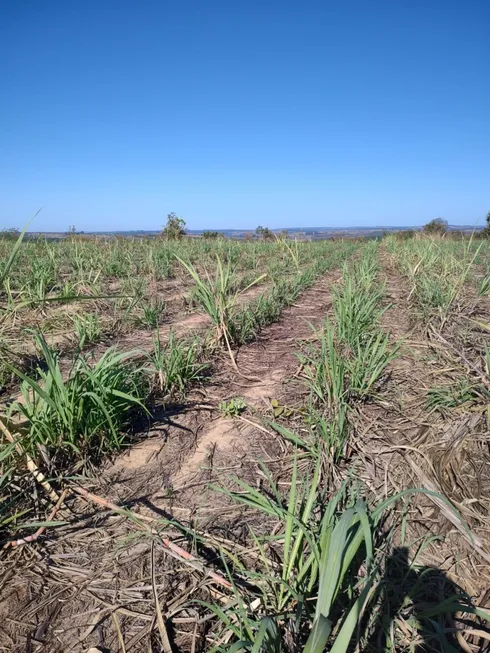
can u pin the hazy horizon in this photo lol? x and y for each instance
(275, 229)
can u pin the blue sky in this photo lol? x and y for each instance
(233, 114)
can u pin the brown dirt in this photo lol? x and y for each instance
(60, 595)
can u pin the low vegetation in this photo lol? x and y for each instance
(329, 545)
(82, 411)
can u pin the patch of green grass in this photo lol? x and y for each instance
(335, 374)
(326, 574)
(325, 369)
(357, 308)
(371, 357)
(88, 329)
(174, 366)
(151, 312)
(454, 395)
(347, 361)
(83, 413)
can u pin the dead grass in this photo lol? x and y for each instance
(404, 444)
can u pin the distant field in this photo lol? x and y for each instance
(245, 445)
(303, 233)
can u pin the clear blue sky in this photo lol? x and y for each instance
(236, 113)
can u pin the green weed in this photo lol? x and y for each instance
(151, 312)
(83, 414)
(455, 395)
(173, 367)
(232, 408)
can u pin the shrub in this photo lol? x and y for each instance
(485, 232)
(406, 234)
(265, 233)
(175, 227)
(9, 234)
(436, 227)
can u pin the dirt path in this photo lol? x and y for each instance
(65, 598)
(204, 438)
(406, 444)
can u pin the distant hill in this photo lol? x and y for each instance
(308, 233)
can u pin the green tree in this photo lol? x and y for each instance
(436, 227)
(210, 235)
(175, 227)
(10, 234)
(485, 232)
(264, 232)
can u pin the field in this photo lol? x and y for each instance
(245, 445)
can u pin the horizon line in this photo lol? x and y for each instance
(252, 230)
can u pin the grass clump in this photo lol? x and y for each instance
(370, 359)
(86, 412)
(218, 297)
(151, 312)
(325, 369)
(357, 299)
(88, 329)
(459, 394)
(175, 365)
(327, 574)
(335, 374)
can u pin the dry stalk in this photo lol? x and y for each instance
(160, 620)
(172, 548)
(41, 529)
(118, 631)
(31, 465)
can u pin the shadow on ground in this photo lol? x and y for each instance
(415, 602)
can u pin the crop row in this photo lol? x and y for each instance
(322, 575)
(72, 414)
